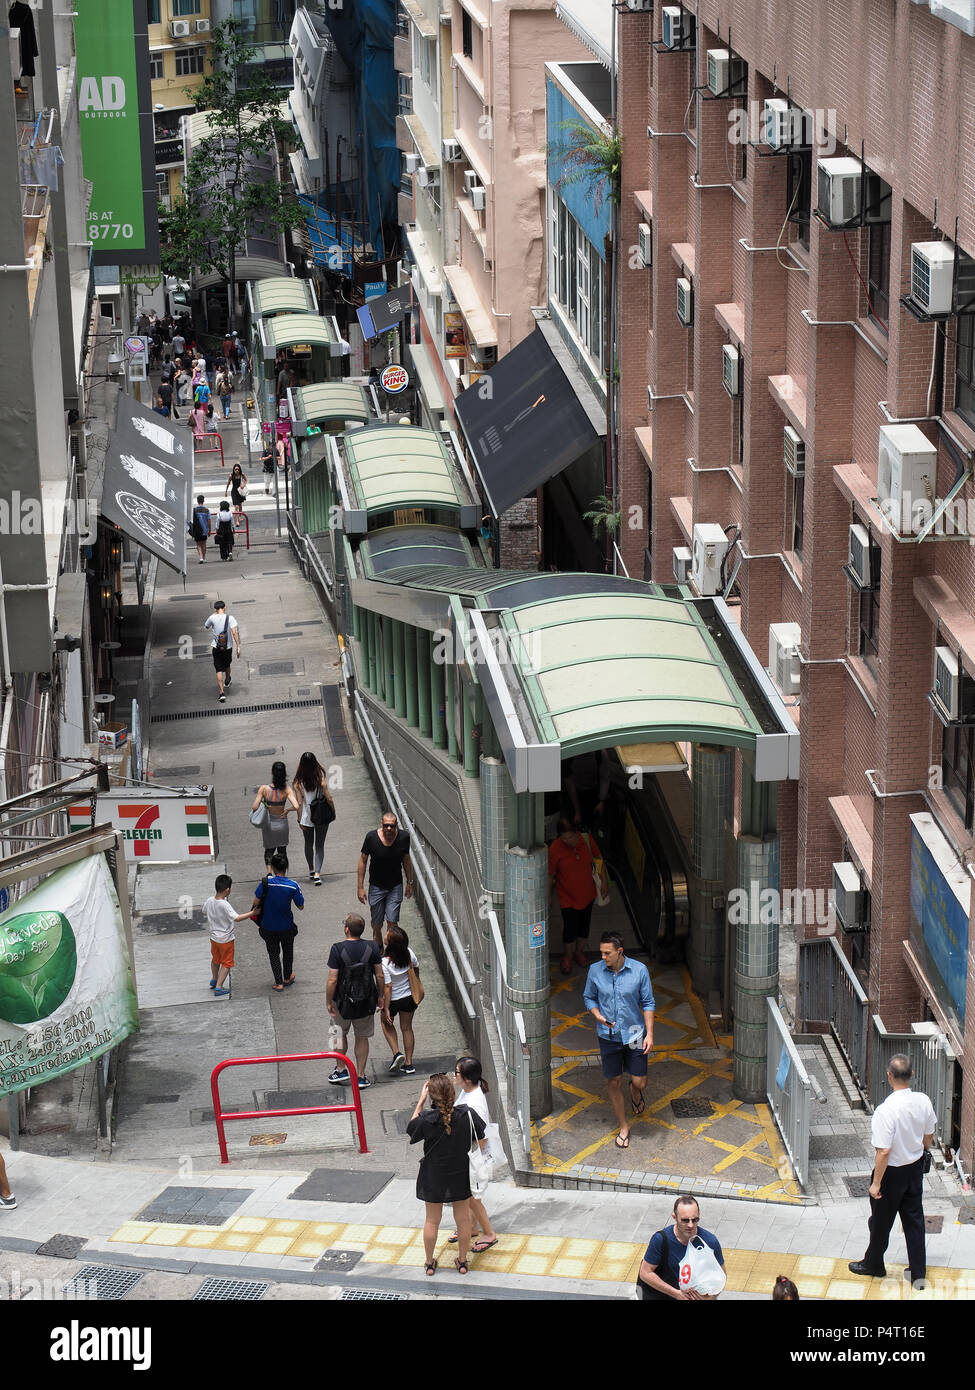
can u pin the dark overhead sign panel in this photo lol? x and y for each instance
(522, 423)
(148, 482)
(383, 313)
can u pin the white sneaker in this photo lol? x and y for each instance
(8, 1203)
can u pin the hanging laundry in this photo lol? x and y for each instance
(22, 17)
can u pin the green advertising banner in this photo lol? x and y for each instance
(112, 68)
(67, 993)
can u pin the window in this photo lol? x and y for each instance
(878, 272)
(162, 191)
(799, 193)
(582, 284)
(798, 502)
(155, 66)
(957, 759)
(423, 58)
(869, 648)
(190, 60)
(965, 368)
(185, 7)
(576, 273)
(405, 178)
(152, 8)
(404, 81)
(467, 34)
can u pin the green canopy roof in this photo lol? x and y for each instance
(287, 330)
(282, 295)
(330, 400)
(394, 466)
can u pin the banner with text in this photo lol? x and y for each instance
(67, 994)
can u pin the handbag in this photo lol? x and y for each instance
(416, 986)
(259, 914)
(602, 897)
(260, 816)
(321, 811)
(479, 1164)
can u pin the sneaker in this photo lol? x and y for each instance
(227, 680)
(364, 1082)
(223, 699)
(408, 1069)
(396, 1063)
(221, 991)
(213, 984)
(340, 1076)
(8, 1203)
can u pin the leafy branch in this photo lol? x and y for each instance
(593, 158)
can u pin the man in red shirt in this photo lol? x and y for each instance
(570, 865)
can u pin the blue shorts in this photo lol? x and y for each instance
(384, 904)
(618, 1058)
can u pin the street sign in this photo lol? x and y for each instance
(135, 345)
(158, 825)
(148, 275)
(374, 288)
(394, 379)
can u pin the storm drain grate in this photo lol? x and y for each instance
(106, 1282)
(373, 1296)
(688, 1108)
(276, 668)
(966, 1216)
(334, 723)
(62, 1247)
(230, 1290)
(858, 1186)
(233, 709)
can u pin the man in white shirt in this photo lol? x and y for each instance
(902, 1133)
(224, 629)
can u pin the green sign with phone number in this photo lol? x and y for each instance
(111, 142)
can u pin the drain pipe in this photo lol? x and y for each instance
(870, 774)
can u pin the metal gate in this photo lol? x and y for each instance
(831, 994)
(933, 1063)
(789, 1092)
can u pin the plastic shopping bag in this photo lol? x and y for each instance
(699, 1269)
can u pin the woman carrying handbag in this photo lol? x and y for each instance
(317, 811)
(448, 1132)
(404, 993)
(276, 799)
(472, 1092)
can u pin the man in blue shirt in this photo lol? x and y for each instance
(659, 1276)
(278, 894)
(620, 999)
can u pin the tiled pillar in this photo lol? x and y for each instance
(496, 793)
(423, 682)
(756, 960)
(409, 675)
(363, 633)
(399, 667)
(526, 945)
(438, 700)
(388, 662)
(712, 780)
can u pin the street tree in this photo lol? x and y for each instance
(231, 186)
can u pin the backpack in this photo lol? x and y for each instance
(357, 994)
(201, 523)
(201, 395)
(222, 636)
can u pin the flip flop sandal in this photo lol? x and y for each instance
(452, 1240)
(639, 1105)
(479, 1246)
(622, 1143)
(430, 1269)
(461, 1266)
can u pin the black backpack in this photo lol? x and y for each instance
(357, 994)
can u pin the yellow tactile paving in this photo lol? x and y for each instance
(549, 1257)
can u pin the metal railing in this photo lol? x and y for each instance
(789, 1092)
(220, 1115)
(212, 448)
(831, 994)
(933, 1063)
(241, 523)
(308, 557)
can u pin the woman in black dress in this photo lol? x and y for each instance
(236, 486)
(448, 1132)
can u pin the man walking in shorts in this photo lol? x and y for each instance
(387, 853)
(354, 954)
(224, 628)
(620, 999)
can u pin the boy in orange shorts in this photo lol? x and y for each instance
(221, 920)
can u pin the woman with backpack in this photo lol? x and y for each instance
(279, 798)
(225, 531)
(317, 811)
(449, 1132)
(237, 487)
(225, 388)
(199, 527)
(398, 961)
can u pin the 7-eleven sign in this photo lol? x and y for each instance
(170, 826)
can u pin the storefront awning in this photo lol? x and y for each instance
(148, 482)
(527, 428)
(426, 373)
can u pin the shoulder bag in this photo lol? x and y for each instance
(320, 810)
(416, 986)
(259, 914)
(260, 815)
(478, 1162)
(602, 897)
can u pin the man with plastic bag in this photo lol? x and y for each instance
(683, 1261)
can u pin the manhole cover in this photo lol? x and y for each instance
(106, 1282)
(230, 1290)
(267, 1139)
(276, 668)
(340, 1185)
(163, 773)
(339, 1261)
(933, 1224)
(691, 1108)
(858, 1186)
(395, 1121)
(373, 1295)
(966, 1216)
(63, 1247)
(261, 752)
(194, 1206)
(823, 1146)
(160, 1100)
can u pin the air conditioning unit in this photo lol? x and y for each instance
(678, 27)
(945, 687)
(860, 562)
(645, 232)
(682, 564)
(848, 896)
(778, 123)
(839, 190)
(794, 452)
(783, 656)
(471, 180)
(907, 470)
(203, 26)
(709, 550)
(452, 151)
(731, 370)
(640, 6)
(483, 356)
(180, 28)
(685, 301)
(427, 175)
(932, 275)
(725, 72)
(478, 199)
(412, 163)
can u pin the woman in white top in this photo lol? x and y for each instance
(472, 1092)
(311, 788)
(398, 960)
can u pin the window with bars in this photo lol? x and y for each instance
(798, 502)
(190, 60)
(957, 760)
(869, 602)
(965, 368)
(467, 34)
(878, 272)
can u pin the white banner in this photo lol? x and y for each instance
(67, 992)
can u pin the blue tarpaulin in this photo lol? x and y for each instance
(326, 247)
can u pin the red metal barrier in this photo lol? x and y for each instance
(212, 448)
(219, 1115)
(239, 517)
